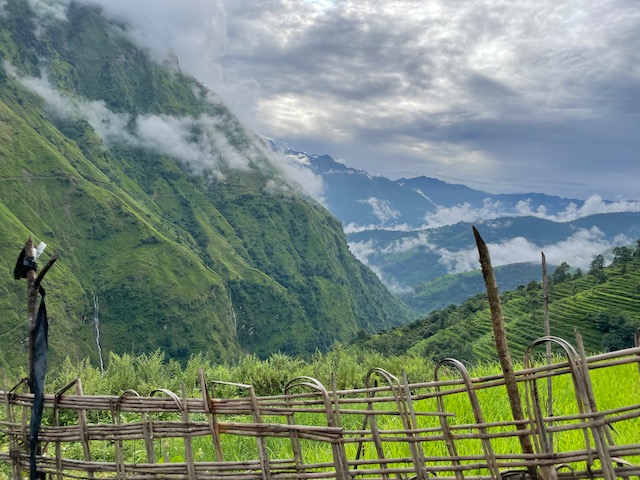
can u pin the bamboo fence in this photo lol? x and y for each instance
(391, 429)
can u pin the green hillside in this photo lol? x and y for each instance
(603, 304)
(194, 245)
(446, 290)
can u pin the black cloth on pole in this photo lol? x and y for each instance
(36, 383)
(23, 265)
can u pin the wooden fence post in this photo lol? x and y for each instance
(500, 337)
(547, 333)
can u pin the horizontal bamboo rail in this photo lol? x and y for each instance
(387, 431)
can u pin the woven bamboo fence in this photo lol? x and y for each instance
(390, 429)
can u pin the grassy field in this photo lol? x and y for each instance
(613, 386)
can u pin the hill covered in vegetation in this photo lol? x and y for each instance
(602, 303)
(175, 227)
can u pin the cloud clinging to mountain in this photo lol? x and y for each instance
(466, 212)
(578, 250)
(161, 133)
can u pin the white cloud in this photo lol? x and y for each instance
(49, 9)
(490, 210)
(197, 142)
(578, 250)
(362, 251)
(592, 206)
(196, 31)
(408, 243)
(298, 170)
(108, 125)
(355, 228)
(464, 213)
(382, 209)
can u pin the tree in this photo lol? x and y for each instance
(596, 269)
(622, 255)
(596, 264)
(617, 329)
(561, 274)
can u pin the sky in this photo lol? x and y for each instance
(503, 96)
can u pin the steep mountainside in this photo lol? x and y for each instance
(175, 229)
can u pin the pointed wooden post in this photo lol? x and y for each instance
(500, 337)
(26, 267)
(547, 333)
(32, 297)
(33, 285)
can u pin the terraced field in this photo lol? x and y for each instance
(603, 306)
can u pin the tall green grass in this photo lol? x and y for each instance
(613, 387)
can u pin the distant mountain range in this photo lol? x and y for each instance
(416, 233)
(361, 200)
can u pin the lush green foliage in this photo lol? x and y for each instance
(453, 289)
(176, 259)
(614, 387)
(604, 305)
(148, 371)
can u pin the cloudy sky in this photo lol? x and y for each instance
(504, 96)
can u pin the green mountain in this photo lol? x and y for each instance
(455, 288)
(175, 229)
(604, 305)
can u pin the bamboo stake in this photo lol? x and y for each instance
(84, 433)
(637, 343)
(547, 333)
(502, 346)
(375, 433)
(599, 435)
(188, 447)
(211, 417)
(416, 448)
(295, 445)
(13, 442)
(263, 452)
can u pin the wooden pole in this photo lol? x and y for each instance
(33, 285)
(28, 270)
(500, 337)
(547, 333)
(32, 297)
